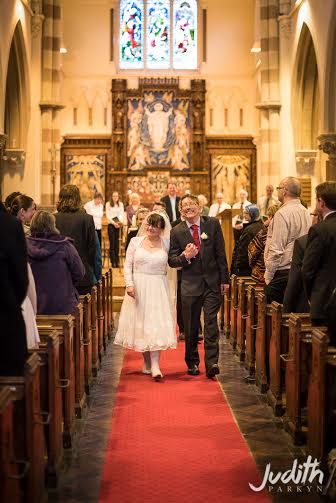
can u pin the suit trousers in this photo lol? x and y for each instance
(179, 311)
(192, 307)
(275, 290)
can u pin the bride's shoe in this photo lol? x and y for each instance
(146, 370)
(157, 375)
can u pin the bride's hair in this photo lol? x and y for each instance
(156, 220)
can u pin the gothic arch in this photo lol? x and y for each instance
(17, 105)
(306, 96)
(329, 117)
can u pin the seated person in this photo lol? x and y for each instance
(56, 266)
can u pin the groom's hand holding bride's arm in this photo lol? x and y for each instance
(190, 251)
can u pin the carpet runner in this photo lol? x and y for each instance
(175, 441)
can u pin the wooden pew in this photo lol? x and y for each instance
(80, 395)
(251, 328)
(51, 402)
(9, 472)
(87, 341)
(278, 347)
(29, 443)
(226, 313)
(65, 325)
(262, 342)
(100, 319)
(242, 315)
(104, 305)
(233, 310)
(298, 369)
(109, 303)
(94, 332)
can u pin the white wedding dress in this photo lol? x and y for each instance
(146, 323)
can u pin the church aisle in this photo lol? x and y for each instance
(174, 441)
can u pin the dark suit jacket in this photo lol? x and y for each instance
(319, 265)
(250, 230)
(208, 267)
(80, 227)
(13, 289)
(169, 210)
(295, 299)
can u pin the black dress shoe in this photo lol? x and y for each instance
(193, 371)
(213, 371)
(181, 336)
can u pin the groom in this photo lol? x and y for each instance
(197, 245)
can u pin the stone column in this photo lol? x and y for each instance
(328, 145)
(270, 104)
(50, 102)
(3, 140)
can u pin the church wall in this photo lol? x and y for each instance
(319, 23)
(228, 70)
(20, 176)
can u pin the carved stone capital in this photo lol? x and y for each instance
(305, 162)
(285, 26)
(36, 24)
(3, 140)
(14, 158)
(328, 144)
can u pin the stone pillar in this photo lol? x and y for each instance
(328, 145)
(270, 104)
(3, 140)
(50, 101)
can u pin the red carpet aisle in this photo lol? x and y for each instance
(175, 441)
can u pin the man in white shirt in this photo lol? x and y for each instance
(171, 201)
(96, 209)
(238, 220)
(267, 200)
(290, 222)
(219, 206)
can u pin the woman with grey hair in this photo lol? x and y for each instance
(56, 266)
(250, 229)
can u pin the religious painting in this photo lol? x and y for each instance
(230, 173)
(152, 186)
(87, 172)
(158, 132)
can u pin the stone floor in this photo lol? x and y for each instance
(265, 436)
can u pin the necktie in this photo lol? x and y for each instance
(195, 236)
(267, 204)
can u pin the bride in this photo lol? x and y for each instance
(146, 322)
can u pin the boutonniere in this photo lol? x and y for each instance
(204, 236)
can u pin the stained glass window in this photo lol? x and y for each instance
(185, 41)
(158, 34)
(131, 34)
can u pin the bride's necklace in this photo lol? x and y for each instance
(152, 244)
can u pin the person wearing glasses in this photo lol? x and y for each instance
(197, 246)
(290, 222)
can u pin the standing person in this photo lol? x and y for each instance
(290, 222)
(219, 206)
(318, 268)
(171, 201)
(95, 208)
(197, 245)
(240, 259)
(72, 221)
(132, 208)
(238, 221)
(140, 216)
(146, 322)
(56, 266)
(256, 248)
(267, 201)
(203, 204)
(23, 208)
(13, 290)
(115, 215)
